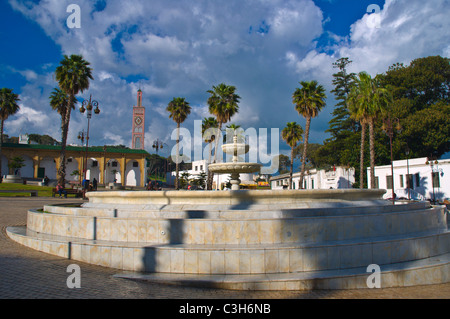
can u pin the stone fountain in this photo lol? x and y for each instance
(249, 239)
(237, 166)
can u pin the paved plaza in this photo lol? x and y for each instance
(26, 273)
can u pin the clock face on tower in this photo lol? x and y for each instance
(138, 120)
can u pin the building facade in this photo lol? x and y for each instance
(138, 126)
(416, 178)
(335, 178)
(106, 164)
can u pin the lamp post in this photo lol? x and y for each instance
(81, 137)
(88, 106)
(408, 184)
(157, 144)
(433, 161)
(388, 127)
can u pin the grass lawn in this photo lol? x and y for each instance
(43, 191)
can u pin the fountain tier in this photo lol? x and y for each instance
(236, 167)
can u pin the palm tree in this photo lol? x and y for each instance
(8, 107)
(292, 134)
(59, 102)
(209, 123)
(179, 109)
(223, 104)
(366, 101)
(73, 75)
(309, 101)
(234, 130)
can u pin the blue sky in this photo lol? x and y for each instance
(181, 48)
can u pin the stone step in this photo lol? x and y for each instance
(237, 259)
(433, 270)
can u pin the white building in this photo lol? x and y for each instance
(337, 177)
(219, 179)
(416, 178)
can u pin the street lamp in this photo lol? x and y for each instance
(88, 106)
(408, 184)
(433, 161)
(81, 136)
(157, 144)
(388, 127)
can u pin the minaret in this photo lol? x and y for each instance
(137, 141)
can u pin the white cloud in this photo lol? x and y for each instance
(262, 47)
(27, 118)
(113, 139)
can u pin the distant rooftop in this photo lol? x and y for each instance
(75, 148)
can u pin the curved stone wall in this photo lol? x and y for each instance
(296, 236)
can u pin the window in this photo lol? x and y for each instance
(201, 167)
(135, 164)
(114, 164)
(389, 181)
(377, 182)
(137, 142)
(196, 168)
(417, 179)
(436, 181)
(401, 181)
(312, 184)
(94, 163)
(409, 181)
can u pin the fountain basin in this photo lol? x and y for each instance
(229, 168)
(267, 239)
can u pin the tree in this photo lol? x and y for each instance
(73, 75)
(184, 179)
(292, 134)
(207, 125)
(417, 91)
(179, 109)
(342, 127)
(8, 107)
(59, 101)
(15, 164)
(309, 101)
(223, 104)
(200, 180)
(425, 81)
(284, 163)
(366, 101)
(43, 139)
(343, 83)
(233, 130)
(430, 128)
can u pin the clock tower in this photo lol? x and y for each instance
(137, 141)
